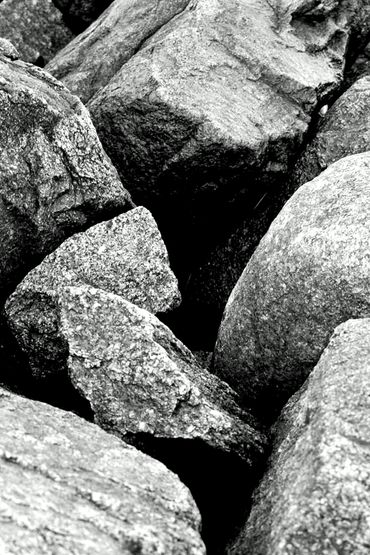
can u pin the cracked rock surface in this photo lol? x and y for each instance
(125, 256)
(308, 274)
(68, 487)
(315, 497)
(55, 178)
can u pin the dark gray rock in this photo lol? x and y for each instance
(360, 68)
(79, 14)
(88, 63)
(125, 256)
(200, 120)
(68, 487)
(308, 274)
(315, 497)
(145, 386)
(55, 178)
(35, 27)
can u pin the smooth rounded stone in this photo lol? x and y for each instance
(79, 14)
(125, 256)
(55, 178)
(68, 487)
(308, 274)
(199, 121)
(145, 386)
(344, 130)
(35, 27)
(315, 495)
(88, 63)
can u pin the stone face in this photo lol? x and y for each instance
(208, 120)
(145, 386)
(35, 27)
(344, 130)
(79, 14)
(315, 495)
(125, 256)
(68, 487)
(308, 274)
(89, 62)
(55, 178)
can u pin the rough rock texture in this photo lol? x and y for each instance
(8, 49)
(125, 256)
(315, 496)
(68, 487)
(309, 274)
(80, 13)
(55, 178)
(89, 62)
(145, 386)
(344, 130)
(35, 27)
(200, 120)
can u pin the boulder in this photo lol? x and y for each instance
(145, 386)
(315, 497)
(35, 27)
(308, 274)
(125, 256)
(69, 487)
(55, 178)
(344, 130)
(89, 62)
(79, 14)
(200, 121)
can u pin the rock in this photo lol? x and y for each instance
(69, 487)
(201, 121)
(8, 49)
(345, 130)
(35, 27)
(125, 256)
(79, 14)
(308, 274)
(315, 497)
(55, 178)
(89, 62)
(145, 386)
(360, 67)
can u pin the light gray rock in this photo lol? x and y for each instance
(315, 495)
(308, 274)
(88, 63)
(80, 13)
(35, 27)
(200, 120)
(68, 487)
(8, 50)
(55, 178)
(125, 256)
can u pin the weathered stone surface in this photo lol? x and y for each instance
(68, 487)
(8, 49)
(344, 130)
(145, 386)
(35, 27)
(89, 62)
(55, 178)
(309, 274)
(80, 13)
(125, 256)
(315, 496)
(205, 118)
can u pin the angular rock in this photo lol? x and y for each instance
(8, 50)
(308, 274)
(145, 386)
(80, 13)
(35, 27)
(345, 130)
(55, 178)
(89, 62)
(125, 256)
(201, 121)
(69, 487)
(315, 496)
